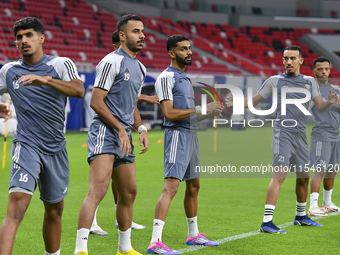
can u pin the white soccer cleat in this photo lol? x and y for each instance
(316, 211)
(96, 230)
(133, 225)
(137, 226)
(330, 208)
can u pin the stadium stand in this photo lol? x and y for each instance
(83, 33)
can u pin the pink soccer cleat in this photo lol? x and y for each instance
(200, 240)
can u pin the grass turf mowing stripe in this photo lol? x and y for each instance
(244, 235)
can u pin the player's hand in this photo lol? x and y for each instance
(332, 98)
(143, 141)
(152, 99)
(214, 109)
(125, 144)
(33, 80)
(229, 102)
(337, 102)
(5, 112)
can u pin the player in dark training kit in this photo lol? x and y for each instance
(181, 152)
(325, 147)
(38, 85)
(119, 80)
(289, 141)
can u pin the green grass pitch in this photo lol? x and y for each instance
(229, 205)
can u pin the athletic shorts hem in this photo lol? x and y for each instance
(55, 201)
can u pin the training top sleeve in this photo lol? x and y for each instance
(315, 90)
(163, 86)
(106, 72)
(65, 68)
(144, 76)
(267, 88)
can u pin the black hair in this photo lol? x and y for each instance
(115, 37)
(124, 20)
(294, 47)
(173, 40)
(320, 59)
(27, 23)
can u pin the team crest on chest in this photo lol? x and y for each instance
(15, 82)
(142, 77)
(126, 75)
(307, 86)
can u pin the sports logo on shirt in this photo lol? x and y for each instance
(16, 82)
(48, 76)
(307, 86)
(142, 77)
(126, 75)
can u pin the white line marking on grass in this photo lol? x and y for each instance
(244, 235)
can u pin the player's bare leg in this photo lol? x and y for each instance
(169, 191)
(17, 205)
(52, 226)
(328, 183)
(190, 198)
(273, 190)
(190, 206)
(99, 181)
(314, 208)
(301, 187)
(124, 177)
(278, 178)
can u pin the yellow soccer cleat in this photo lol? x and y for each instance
(130, 252)
(82, 253)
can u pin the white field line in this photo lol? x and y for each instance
(244, 235)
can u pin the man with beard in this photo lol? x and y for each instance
(325, 147)
(289, 142)
(181, 154)
(38, 85)
(119, 79)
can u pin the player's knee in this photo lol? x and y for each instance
(192, 190)
(302, 181)
(97, 192)
(128, 195)
(18, 212)
(55, 212)
(170, 190)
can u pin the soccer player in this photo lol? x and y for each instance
(289, 142)
(95, 229)
(38, 85)
(325, 147)
(181, 153)
(118, 83)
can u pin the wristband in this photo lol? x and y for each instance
(198, 109)
(141, 128)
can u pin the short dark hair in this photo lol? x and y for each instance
(320, 59)
(124, 20)
(173, 40)
(294, 47)
(115, 37)
(27, 23)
